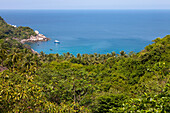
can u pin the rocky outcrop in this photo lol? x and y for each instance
(38, 37)
(3, 68)
(33, 51)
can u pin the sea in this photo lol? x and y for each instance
(92, 31)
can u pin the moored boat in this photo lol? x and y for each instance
(56, 41)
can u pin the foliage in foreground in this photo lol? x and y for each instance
(95, 83)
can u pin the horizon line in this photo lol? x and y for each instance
(85, 9)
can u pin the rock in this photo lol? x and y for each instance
(38, 37)
(33, 51)
(37, 32)
(3, 68)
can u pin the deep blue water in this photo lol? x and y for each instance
(92, 31)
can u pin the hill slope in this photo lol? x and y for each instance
(9, 31)
(96, 83)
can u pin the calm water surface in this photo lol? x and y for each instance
(92, 31)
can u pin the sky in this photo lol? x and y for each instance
(84, 4)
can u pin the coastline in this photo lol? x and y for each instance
(33, 51)
(38, 37)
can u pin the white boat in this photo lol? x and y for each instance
(56, 41)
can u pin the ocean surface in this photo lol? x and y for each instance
(92, 31)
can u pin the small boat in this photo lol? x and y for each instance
(56, 41)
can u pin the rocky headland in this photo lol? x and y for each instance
(38, 37)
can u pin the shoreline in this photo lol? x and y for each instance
(38, 37)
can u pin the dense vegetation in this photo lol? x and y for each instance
(9, 31)
(95, 83)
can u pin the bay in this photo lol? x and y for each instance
(92, 31)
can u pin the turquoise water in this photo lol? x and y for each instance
(92, 31)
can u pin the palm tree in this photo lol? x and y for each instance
(57, 55)
(78, 55)
(29, 62)
(14, 58)
(3, 54)
(123, 54)
(113, 54)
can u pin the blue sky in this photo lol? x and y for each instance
(84, 4)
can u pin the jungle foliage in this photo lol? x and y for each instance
(97, 83)
(9, 31)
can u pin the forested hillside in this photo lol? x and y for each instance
(9, 31)
(95, 83)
